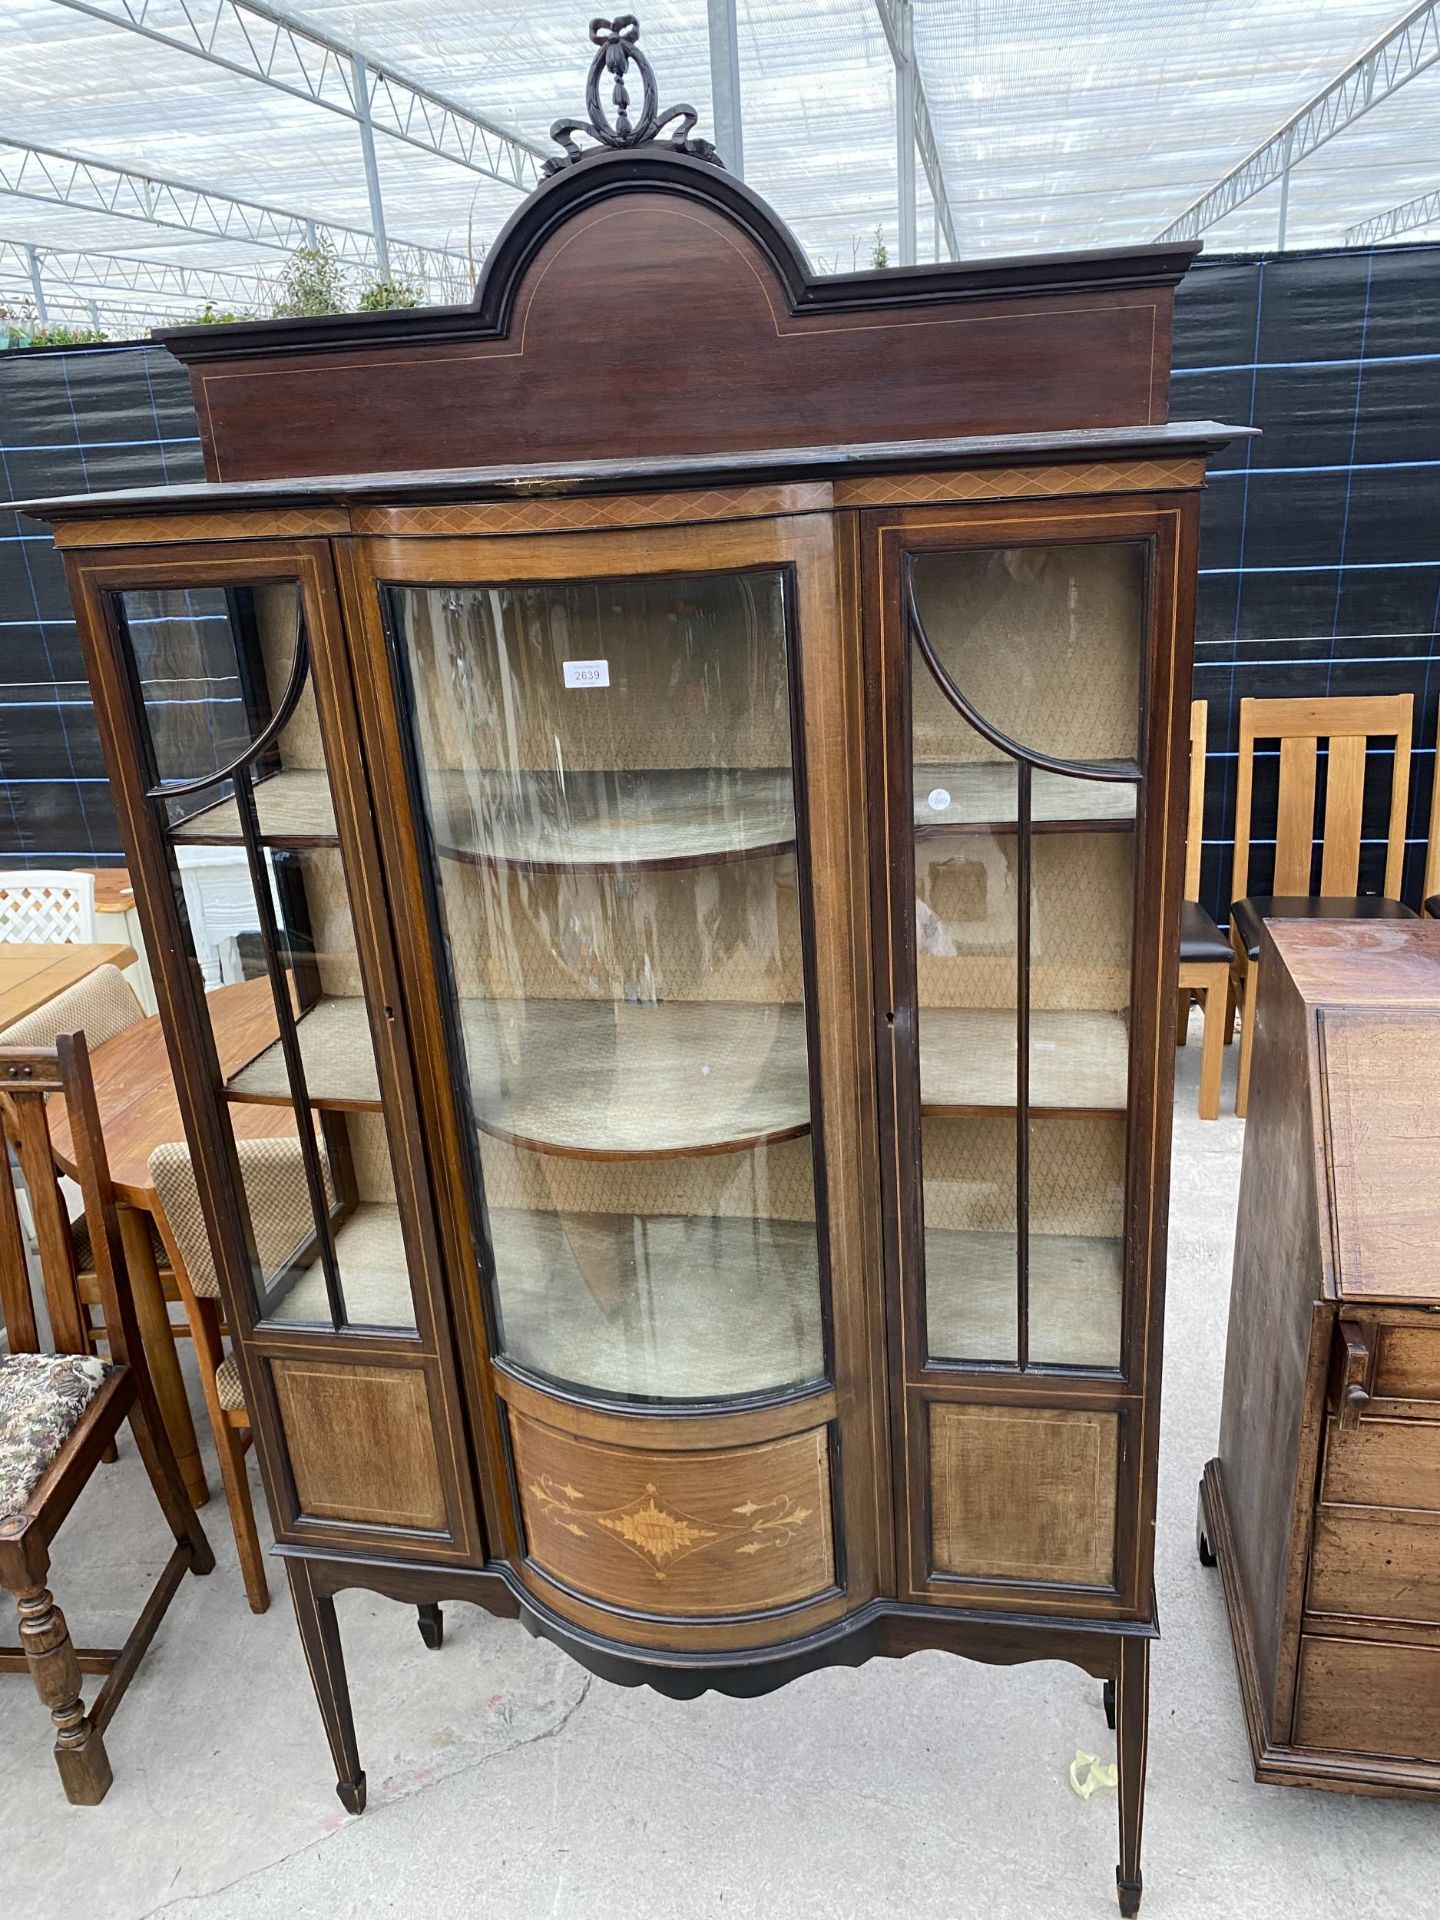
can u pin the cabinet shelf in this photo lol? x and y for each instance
(374, 1276)
(596, 1079)
(980, 798)
(654, 817)
(1079, 1061)
(679, 1307)
(665, 817)
(293, 807)
(1076, 1286)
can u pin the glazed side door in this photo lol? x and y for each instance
(623, 830)
(1028, 722)
(223, 695)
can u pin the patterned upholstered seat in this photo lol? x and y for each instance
(42, 1396)
(99, 1006)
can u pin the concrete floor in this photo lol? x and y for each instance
(504, 1781)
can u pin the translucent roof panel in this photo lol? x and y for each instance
(1089, 124)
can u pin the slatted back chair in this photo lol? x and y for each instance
(1430, 886)
(1195, 816)
(1204, 949)
(1349, 727)
(102, 1006)
(61, 1408)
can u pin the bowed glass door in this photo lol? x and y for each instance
(607, 775)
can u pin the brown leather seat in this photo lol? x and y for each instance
(1250, 915)
(1201, 941)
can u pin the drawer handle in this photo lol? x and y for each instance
(1353, 1373)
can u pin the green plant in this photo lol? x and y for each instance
(214, 316)
(313, 282)
(880, 257)
(21, 336)
(382, 294)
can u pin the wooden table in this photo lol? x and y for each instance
(32, 972)
(135, 1095)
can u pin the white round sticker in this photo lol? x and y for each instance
(939, 799)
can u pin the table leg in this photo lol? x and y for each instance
(1212, 1052)
(154, 1317)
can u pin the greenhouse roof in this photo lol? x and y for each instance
(1043, 127)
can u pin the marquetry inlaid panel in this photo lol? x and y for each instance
(1023, 1493)
(1019, 483)
(694, 1534)
(291, 523)
(361, 1442)
(572, 515)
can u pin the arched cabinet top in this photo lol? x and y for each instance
(643, 303)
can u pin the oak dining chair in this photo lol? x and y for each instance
(101, 1006)
(1430, 884)
(272, 1176)
(1204, 949)
(1349, 728)
(60, 1410)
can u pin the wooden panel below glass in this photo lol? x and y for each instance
(694, 1534)
(361, 1442)
(1023, 1493)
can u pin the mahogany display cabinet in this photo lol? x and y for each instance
(709, 744)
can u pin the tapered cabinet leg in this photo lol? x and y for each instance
(432, 1624)
(320, 1637)
(1132, 1715)
(79, 1750)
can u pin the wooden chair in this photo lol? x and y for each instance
(1348, 726)
(1430, 885)
(272, 1174)
(60, 1410)
(100, 1006)
(41, 905)
(1204, 949)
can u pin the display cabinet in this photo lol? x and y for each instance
(707, 744)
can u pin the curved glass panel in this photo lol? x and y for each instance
(1045, 644)
(1024, 884)
(262, 891)
(606, 769)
